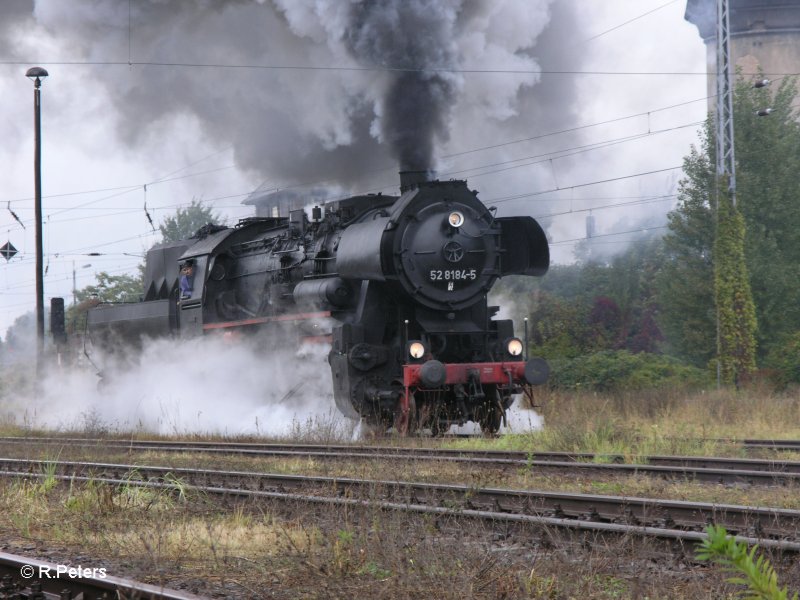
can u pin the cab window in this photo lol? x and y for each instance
(191, 279)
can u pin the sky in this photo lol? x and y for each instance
(559, 109)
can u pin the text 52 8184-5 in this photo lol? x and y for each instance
(453, 274)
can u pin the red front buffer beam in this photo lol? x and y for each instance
(433, 374)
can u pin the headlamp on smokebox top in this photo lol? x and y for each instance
(514, 346)
(455, 219)
(416, 350)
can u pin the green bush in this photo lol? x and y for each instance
(620, 370)
(783, 361)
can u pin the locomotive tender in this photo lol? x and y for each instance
(400, 282)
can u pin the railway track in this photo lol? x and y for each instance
(769, 527)
(23, 577)
(782, 445)
(704, 469)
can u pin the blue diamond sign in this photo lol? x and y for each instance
(8, 251)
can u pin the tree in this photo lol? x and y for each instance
(768, 177)
(558, 328)
(21, 336)
(684, 283)
(109, 288)
(648, 336)
(113, 288)
(592, 306)
(605, 320)
(631, 283)
(736, 345)
(187, 221)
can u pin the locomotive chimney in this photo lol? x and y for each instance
(411, 179)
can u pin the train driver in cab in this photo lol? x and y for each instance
(186, 281)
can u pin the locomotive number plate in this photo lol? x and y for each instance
(453, 274)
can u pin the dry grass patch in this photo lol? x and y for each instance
(654, 423)
(301, 551)
(212, 539)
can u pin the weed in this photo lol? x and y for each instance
(374, 570)
(178, 484)
(757, 573)
(343, 551)
(538, 586)
(49, 481)
(611, 587)
(92, 423)
(322, 429)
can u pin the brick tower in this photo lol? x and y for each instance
(763, 33)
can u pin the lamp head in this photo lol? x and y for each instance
(36, 74)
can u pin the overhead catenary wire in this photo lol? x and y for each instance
(14, 215)
(497, 201)
(647, 200)
(581, 239)
(169, 178)
(127, 189)
(582, 185)
(131, 63)
(146, 212)
(629, 21)
(599, 144)
(349, 68)
(566, 153)
(560, 153)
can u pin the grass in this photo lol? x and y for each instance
(653, 423)
(244, 549)
(297, 551)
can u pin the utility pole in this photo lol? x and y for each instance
(726, 165)
(726, 168)
(36, 74)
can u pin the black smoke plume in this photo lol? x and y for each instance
(284, 82)
(415, 39)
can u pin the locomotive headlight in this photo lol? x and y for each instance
(455, 219)
(514, 346)
(416, 350)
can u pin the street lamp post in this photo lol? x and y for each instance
(36, 74)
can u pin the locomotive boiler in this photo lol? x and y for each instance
(396, 284)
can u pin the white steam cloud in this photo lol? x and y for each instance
(207, 386)
(204, 385)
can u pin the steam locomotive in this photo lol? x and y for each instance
(398, 286)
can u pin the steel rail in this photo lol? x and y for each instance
(583, 525)
(764, 523)
(707, 469)
(743, 442)
(786, 445)
(27, 577)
